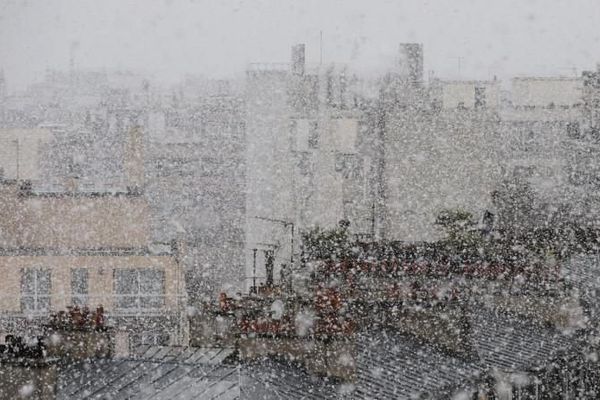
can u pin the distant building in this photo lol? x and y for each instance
(195, 185)
(306, 162)
(308, 145)
(466, 94)
(410, 61)
(547, 92)
(21, 151)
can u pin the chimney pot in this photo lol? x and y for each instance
(298, 59)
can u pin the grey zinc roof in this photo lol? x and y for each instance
(114, 379)
(395, 366)
(267, 379)
(157, 372)
(184, 355)
(180, 373)
(390, 365)
(583, 271)
(513, 344)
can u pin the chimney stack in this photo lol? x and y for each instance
(71, 184)
(134, 160)
(410, 63)
(298, 59)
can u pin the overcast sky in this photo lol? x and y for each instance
(219, 37)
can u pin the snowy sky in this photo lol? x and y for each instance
(218, 38)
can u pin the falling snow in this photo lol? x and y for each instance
(272, 200)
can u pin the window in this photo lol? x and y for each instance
(573, 130)
(313, 135)
(139, 288)
(479, 97)
(349, 165)
(35, 290)
(269, 267)
(153, 338)
(79, 287)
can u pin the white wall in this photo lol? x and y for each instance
(20, 152)
(541, 92)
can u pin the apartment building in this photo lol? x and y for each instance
(307, 163)
(86, 249)
(195, 184)
(21, 151)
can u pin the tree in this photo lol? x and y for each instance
(514, 201)
(321, 244)
(456, 223)
(462, 241)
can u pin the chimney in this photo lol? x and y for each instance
(71, 184)
(298, 59)
(134, 160)
(410, 62)
(25, 188)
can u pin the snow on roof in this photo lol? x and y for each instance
(171, 373)
(512, 344)
(583, 271)
(270, 379)
(158, 373)
(395, 366)
(390, 365)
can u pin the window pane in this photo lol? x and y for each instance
(126, 282)
(43, 282)
(152, 288)
(27, 303)
(35, 290)
(43, 303)
(140, 288)
(127, 288)
(28, 282)
(156, 301)
(79, 281)
(79, 301)
(152, 282)
(127, 301)
(79, 286)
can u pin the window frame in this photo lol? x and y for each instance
(36, 295)
(139, 294)
(85, 296)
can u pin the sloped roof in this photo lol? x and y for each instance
(583, 272)
(390, 365)
(395, 366)
(184, 355)
(158, 373)
(267, 379)
(181, 373)
(513, 344)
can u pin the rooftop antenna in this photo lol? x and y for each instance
(458, 59)
(72, 53)
(320, 47)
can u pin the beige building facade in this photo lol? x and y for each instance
(87, 250)
(546, 91)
